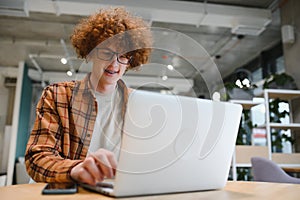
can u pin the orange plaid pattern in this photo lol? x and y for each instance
(60, 138)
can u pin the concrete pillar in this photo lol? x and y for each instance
(290, 15)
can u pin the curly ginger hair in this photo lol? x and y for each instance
(107, 23)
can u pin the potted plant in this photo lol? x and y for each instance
(278, 137)
(280, 81)
(241, 92)
(245, 129)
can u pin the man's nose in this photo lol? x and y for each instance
(114, 61)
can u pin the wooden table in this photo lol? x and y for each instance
(233, 190)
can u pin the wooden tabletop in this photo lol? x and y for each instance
(233, 190)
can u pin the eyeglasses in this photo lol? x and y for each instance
(107, 54)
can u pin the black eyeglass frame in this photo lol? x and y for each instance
(113, 53)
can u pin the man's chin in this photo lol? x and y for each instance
(110, 79)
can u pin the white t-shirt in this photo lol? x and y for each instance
(108, 124)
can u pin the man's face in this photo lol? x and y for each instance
(109, 64)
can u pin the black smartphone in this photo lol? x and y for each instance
(60, 188)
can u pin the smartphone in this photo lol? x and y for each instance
(60, 188)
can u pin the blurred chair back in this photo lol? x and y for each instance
(266, 170)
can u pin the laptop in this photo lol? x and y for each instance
(173, 144)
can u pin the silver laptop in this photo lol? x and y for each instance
(173, 144)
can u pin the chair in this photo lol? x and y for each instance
(267, 171)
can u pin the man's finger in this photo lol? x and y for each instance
(104, 164)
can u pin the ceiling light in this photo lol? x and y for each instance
(69, 73)
(170, 67)
(246, 82)
(163, 92)
(216, 96)
(239, 83)
(63, 61)
(164, 78)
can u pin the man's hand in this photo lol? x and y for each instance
(95, 167)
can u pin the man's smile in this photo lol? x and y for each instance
(111, 71)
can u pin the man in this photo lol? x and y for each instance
(78, 126)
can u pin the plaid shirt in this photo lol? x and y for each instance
(60, 138)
